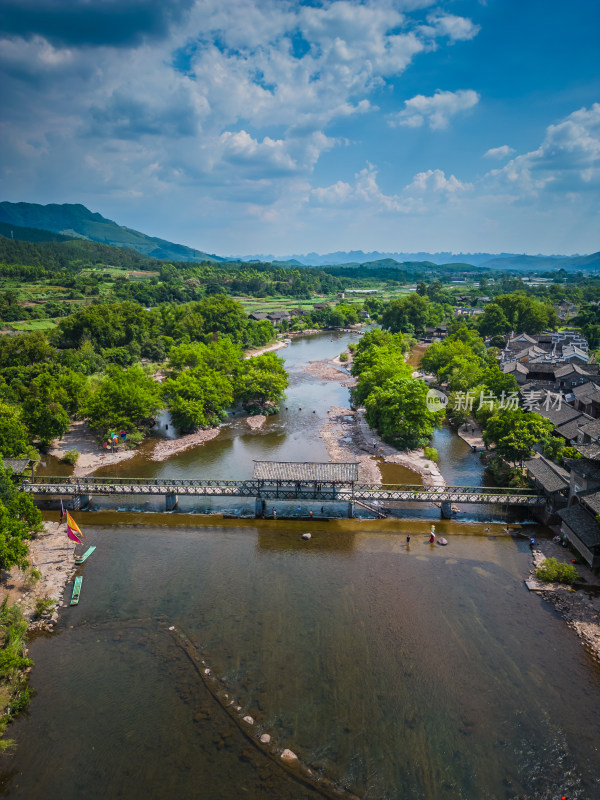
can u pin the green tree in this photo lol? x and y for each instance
(515, 432)
(410, 314)
(43, 410)
(197, 397)
(124, 399)
(261, 383)
(19, 518)
(14, 440)
(493, 321)
(398, 411)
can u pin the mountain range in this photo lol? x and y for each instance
(75, 221)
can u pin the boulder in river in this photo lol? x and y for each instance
(289, 756)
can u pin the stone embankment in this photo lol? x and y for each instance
(579, 606)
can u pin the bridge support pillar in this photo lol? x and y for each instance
(446, 509)
(350, 510)
(81, 501)
(171, 501)
(260, 508)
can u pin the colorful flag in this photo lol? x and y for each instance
(73, 531)
(73, 536)
(62, 509)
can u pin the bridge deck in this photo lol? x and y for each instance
(281, 490)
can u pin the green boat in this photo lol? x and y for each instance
(85, 556)
(76, 590)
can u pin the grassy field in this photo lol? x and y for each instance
(280, 303)
(33, 325)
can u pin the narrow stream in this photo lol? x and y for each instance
(398, 670)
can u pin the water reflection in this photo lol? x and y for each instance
(402, 672)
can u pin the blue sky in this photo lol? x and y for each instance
(272, 126)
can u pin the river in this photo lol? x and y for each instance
(399, 671)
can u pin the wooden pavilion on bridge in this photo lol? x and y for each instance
(306, 472)
(292, 479)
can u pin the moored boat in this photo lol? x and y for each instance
(85, 556)
(76, 590)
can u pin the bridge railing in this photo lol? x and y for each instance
(261, 484)
(282, 489)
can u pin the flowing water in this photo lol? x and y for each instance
(396, 670)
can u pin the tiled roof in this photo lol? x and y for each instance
(305, 471)
(586, 467)
(583, 525)
(514, 366)
(18, 465)
(558, 416)
(551, 477)
(592, 429)
(591, 500)
(590, 451)
(589, 391)
(570, 429)
(567, 369)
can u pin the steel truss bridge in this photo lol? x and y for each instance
(271, 490)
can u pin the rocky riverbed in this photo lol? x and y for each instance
(580, 606)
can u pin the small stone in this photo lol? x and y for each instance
(172, 628)
(265, 738)
(238, 708)
(248, 720)
(306, 536)
(289, 756)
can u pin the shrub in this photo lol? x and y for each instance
(553, 571)
(432, 454)
(344, 356)
(70, 457)
(43, 605)
(34, 576)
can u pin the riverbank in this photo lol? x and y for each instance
(91, 456)
(471, 433)
(170, 447)
(578, 607)
(51, 555)
(268, 349)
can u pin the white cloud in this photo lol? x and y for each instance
(499, 152)
(568, 159)
(435, 180)
(436, 110)
(230, 86)
(457, 29)
(426, 189)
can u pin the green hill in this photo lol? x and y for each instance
(30, 234)
(75, 221)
